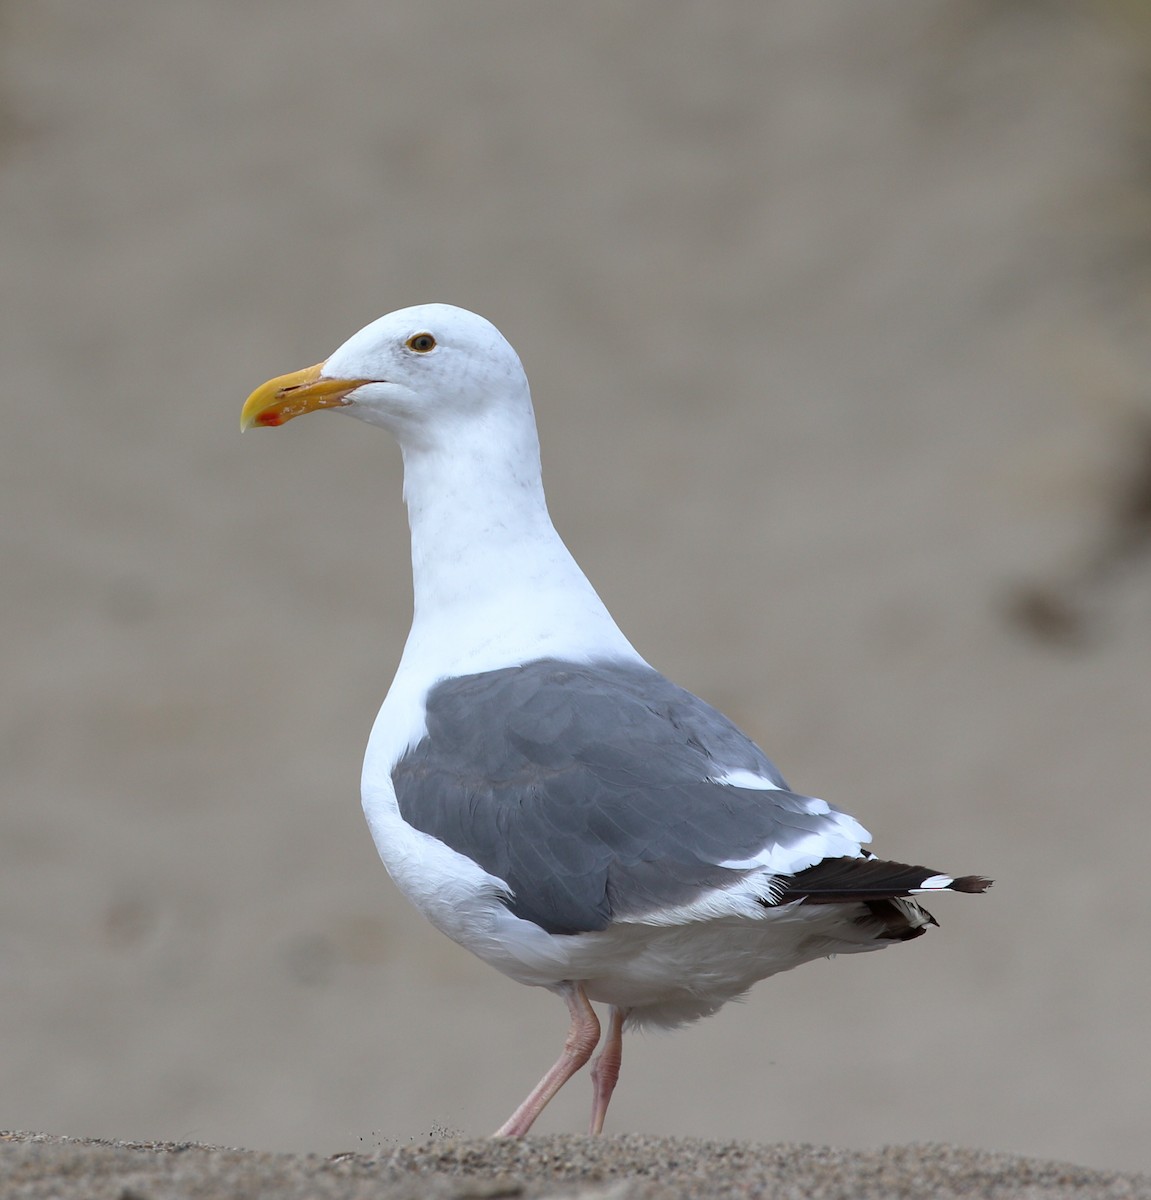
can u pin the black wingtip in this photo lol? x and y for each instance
(970, 883)
(843, 880)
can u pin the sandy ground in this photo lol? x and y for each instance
(633, 1167)
(835, 316)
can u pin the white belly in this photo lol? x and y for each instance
(667, 974)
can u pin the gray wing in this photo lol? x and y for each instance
(589, 790)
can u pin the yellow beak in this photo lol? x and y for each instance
(288, 396)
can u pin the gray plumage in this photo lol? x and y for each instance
(588, 789)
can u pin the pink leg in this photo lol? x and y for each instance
(605, 1070)
(581, 1041)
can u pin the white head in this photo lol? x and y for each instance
(494, 584)
(416, 371)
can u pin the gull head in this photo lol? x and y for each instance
(413, 371)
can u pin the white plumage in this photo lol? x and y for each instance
(674, 868)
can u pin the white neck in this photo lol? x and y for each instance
(494, 585)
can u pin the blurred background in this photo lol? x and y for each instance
(836, 320)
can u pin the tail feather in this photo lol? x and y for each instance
(895, 920)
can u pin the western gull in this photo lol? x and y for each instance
(538, 791)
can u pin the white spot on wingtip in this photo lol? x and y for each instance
(935, 883)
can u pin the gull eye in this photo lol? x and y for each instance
(421, 343)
